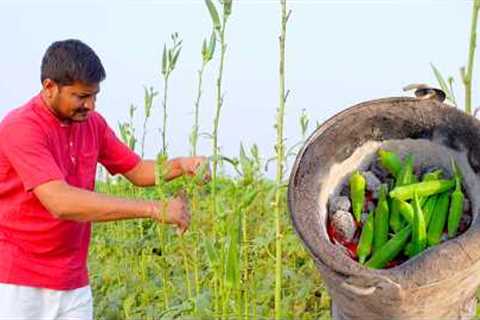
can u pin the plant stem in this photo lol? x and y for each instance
(245, 264)
(467, 78)
(217, 117)
(195, 273)
(216, 294)
(187, 269)
(144, 135)
(164, 128)
(197, 107)
(280, 153)
(221, 288)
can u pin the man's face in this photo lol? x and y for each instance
(71, 103)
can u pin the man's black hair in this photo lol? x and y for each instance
(71, 60)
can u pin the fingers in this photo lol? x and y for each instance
(208, 176)
(183, 222)
(183, 217)
(181, 229)
(201, 167)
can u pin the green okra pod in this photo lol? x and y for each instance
(390, 250)
(396, 222)
(428, 208)
(456, 203)
(438, 219)
(419, 233)
(404, 177)
(409, 250)
(390, 161)
(381, 220)
(455, 213)
(430, 176)
(357, 193)
(433, 175)
(423, 189)
(365, 243)
(406, 210)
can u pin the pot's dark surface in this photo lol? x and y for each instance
(438, 284)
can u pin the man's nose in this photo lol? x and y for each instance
(89, 104)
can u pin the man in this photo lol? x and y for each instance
(49, 149)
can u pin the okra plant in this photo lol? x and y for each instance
(169, 61)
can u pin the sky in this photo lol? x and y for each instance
(339, 53)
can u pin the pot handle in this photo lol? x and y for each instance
(359, 291)
(423, 92)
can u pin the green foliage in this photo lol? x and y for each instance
(466, 74)
(127, 129)
(132, 263)
(170, 55)
(447, 88)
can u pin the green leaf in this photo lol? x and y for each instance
(131, 111)
(204, 50)
(254, 151)
(164, 60)
(304, 122)
(212, 254)
(244, 160)
(452, 97)
(132, 142)
(440, 79)
(233, 255)
(248, 198)
(123, 133)
(211, 45)
(227, 7)
(174, 36)
(170, 56)
(213, 14)
(175, 57)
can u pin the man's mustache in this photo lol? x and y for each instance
(81, 110)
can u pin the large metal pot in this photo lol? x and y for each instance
(441, 282)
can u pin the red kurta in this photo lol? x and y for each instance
(37, 249)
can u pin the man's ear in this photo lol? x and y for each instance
(50, 88)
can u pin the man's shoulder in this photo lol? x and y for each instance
(19, 117)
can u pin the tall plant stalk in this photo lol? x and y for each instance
(169, 61)
(164, 122)
(467, 77)
(220, 31)
(149, 95)
(207, 55)
(219, 27)
(280, 159)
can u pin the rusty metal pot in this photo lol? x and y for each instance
(441, 282)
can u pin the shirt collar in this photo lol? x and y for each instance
(41, 108)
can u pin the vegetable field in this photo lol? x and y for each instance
(221, 268)
(241, 258)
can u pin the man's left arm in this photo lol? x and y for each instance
(143, 174)
(117, 157)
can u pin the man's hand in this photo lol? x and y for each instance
(192, 166)
(175, 211)
(143, 175)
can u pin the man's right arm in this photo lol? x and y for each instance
(71, 203)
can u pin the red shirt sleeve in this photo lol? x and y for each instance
(114, 155)
(25, 146)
